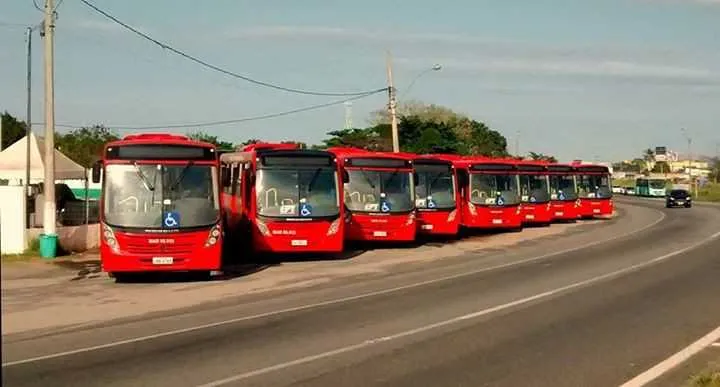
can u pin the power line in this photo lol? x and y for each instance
(225, 122)
(213, 67)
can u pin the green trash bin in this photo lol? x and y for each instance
(48, 246)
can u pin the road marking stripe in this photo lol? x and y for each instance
(458, 319)
(327, 303)
(674, 360)
(715, 344)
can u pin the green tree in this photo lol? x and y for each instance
(373, 138)
(426, 112)
(84, 145)
(542, 157)
(205, 137)
(661, 167)
(12, 130)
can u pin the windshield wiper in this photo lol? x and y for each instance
(314, 177)
(149, 186)
(181, 176)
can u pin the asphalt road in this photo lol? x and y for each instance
(592, 308)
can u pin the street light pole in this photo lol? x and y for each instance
(49, 227)
(28, 117)
(435, 67)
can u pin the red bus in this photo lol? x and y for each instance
(379, 195)
(594, 190)
(535, 207)
(437, 196)
(564, 200)
(160, 205)
(492, 197)
(283, 199)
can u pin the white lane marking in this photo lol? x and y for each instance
(458, 319)
(325, 303)
(715, 344)
(674, 360)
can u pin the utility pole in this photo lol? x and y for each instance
(348, 115)
(392, 105)
(28, 123)
(50, 234)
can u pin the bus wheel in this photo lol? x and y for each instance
(201, 275)
(122, 277)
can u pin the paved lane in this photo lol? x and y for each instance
(577, 325)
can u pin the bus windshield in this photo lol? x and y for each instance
(494, 189)
(594, 186)
(297, 192)
(534, 189)
(657, 184)
(435, 189)
(379, 191)
(144, 195)
(562, 187)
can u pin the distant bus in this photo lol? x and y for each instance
(650, 187)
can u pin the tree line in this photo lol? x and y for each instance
(423, 128)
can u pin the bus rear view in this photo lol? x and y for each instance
(160, 205)
(436, 196)
(595, 190)
(564, 203)
(379, 195)
(290, 197)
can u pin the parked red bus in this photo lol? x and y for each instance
(564, 200)
(437, 196)
(594, 189)
(160, 205)
(379, 195)
(535, 207)
(492, 193)
(283, 199)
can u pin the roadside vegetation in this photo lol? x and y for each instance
(710, 377)
(32, 252)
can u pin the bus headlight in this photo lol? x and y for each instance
(109, 237)
(410, 219)
(451, 215)
(213, 236)
(472, 209)
(262, 227)
(334, 227)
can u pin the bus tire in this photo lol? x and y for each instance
(201, 275)
(121, 277)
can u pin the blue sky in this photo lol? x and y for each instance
(577, 79)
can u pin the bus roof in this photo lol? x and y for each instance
(591, 168)
(158, 139)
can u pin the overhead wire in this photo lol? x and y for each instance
(219, 69)
(225, 122)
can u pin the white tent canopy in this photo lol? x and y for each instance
(12, 162)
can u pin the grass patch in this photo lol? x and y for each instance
(710, 377)
(709, 193)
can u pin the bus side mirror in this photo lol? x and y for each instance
(345, 177)
(225, 177)
(96, 170)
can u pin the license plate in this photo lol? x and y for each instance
(680, 202)
(559, 214)
(163, 260)
(529, 216)
(596, 211)
(298, 242)
(380, 233)
(497, 221)
(427, 226)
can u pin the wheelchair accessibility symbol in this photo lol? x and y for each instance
(500, 201)
(305, 209)
(561, 195)
(171, 219)
(532, 199)
(430, 203)
(385, 207)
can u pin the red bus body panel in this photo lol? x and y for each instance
(489, 217)
(299, 237)
(438, 222)
(564, 210)
(596, 207)
(536, 213)
(137, 250)
(381, 227)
